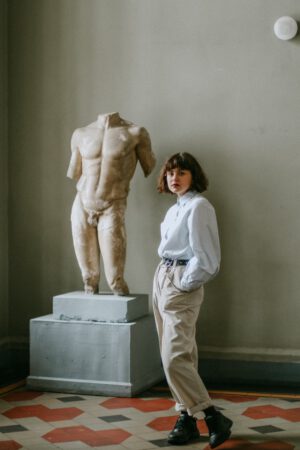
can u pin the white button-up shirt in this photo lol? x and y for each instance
(189, 231)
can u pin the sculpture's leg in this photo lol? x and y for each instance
(86, 247)
(112, 239)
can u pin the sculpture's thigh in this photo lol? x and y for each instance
(112, 239)
(86, 246)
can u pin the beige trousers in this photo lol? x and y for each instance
(176, 314)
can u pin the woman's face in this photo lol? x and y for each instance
(179, 180)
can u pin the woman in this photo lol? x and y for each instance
(190, 253)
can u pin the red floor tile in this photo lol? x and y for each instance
(161, 404)
(9, 445)
(87, 436)
(292, 415)
(262, 412)
(43, 413)
(21, 396)
(163, 423)
(202, 426)
(269, 411)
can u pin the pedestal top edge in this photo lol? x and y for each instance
(106, 296)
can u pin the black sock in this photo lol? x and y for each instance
(185, 413)
(211, 411)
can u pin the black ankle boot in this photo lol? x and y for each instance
(219, 428)
(184, 430)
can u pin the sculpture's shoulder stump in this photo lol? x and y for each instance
(137, 130)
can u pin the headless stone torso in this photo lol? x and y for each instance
(108, 159)
(104, 158)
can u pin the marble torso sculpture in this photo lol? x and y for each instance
(104, 158)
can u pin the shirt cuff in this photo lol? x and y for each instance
(190, 286)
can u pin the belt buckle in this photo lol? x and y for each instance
(168, 262)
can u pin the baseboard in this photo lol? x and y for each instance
(14, 360)
(262, 354)
(250, 367)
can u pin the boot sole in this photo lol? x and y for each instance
(223, 437)
(177, 441)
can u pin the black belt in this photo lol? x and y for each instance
(177, 262)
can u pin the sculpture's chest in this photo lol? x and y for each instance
(117, 143)
(91, 142)
(114, 142)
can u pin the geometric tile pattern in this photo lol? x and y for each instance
(165, 423)
(40, 421)
(88, 436)
(9, 445)
(139, 404)
(270, 411)
(43, 413)
(21, 396)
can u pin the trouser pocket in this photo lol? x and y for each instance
(175, 275)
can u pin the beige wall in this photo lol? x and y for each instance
(205, 76)
(3, 176)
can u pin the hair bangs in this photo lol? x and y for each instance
(178, 161)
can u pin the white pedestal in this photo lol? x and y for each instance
(91, 356)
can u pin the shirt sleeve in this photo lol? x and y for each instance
(205, 245)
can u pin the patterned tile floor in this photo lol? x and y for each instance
(44, 421)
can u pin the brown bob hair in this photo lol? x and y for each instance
(184, 161)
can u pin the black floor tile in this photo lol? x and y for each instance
(73, 398)
(12, 428)
(264, 429)
(116, 418)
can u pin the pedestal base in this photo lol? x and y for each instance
(97, 358)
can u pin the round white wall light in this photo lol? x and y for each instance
(285, 28)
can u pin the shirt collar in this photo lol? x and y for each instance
(183, 199)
